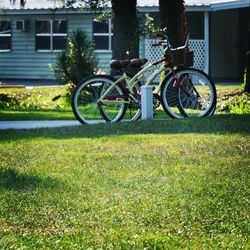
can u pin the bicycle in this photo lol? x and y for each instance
(184, 92)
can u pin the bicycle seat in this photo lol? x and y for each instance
(119, 64)
(138, 62)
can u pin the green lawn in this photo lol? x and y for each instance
(39, 103)
(35, 104)
(20, 115)
(176, 184)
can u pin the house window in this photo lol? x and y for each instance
(51, 35)
(5, 36)
(102, 35)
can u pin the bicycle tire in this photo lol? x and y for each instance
(188, 99)
(85, 104)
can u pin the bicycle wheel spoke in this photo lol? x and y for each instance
(192, 95)
(134, 107)
(87, 107)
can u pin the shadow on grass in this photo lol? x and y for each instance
(12, 180)
(215, 124)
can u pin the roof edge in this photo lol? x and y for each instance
(234, 4)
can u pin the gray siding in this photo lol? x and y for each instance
(104, 60)
(24, 62)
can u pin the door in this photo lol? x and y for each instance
(224, 45)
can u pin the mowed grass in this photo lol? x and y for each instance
(29, 115)
(176, 184)
(38, 103)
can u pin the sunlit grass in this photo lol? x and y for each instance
(172, 184)
(15, 115)
(49, 112)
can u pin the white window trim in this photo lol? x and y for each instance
(109, 35)
(51, 35)
(3, 34)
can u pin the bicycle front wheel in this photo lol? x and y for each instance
(85, 101)
(188, 93)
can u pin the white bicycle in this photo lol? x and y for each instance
(184, 92)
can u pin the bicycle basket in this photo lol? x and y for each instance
(182, 57)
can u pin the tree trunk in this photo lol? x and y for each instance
(247, 76)
(126, 35)
(173, 16)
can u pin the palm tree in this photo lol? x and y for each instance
(125, 26)
(173, 16)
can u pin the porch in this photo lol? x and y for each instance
(218, 39)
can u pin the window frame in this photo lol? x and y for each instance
(109, 35)
(51, 35)
(7, 35)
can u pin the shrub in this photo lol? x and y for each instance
(78, 61)
(33, 99)
(240, 105)
(235, 102)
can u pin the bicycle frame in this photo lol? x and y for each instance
(184, 91)
(140, 76)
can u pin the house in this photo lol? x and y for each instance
(33, 34)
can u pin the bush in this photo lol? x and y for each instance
(235, 102)
(240, 105)
(78, 61)
(33, 99)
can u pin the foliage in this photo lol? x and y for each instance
(103, 17)
(25, 103)
(90, 4)
(125, 31)
(30, 99)
(147, 24)
(234, 101)
(177, 184)
(241, 105)
(79, 61)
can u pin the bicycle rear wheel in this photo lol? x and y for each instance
(86, 107)
(189, 93)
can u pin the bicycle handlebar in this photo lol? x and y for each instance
(166, 43)
(161, 43)
(156, 44)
